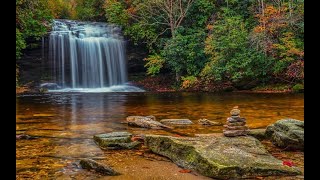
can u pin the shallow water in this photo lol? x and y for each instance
(64, 124)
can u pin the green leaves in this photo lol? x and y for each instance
(32, 18)
(185, 53)
(154, 64)
(20, 43)
(231, 57)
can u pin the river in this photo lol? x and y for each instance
(64, 123)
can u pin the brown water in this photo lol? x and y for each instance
(64, 124)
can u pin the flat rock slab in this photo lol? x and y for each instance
(115, 140)
(145, 122)
(98, 167)
(176, 121)
(257, 133)
(220, 157)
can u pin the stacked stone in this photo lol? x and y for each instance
(236, 125)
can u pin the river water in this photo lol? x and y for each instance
(64, 124)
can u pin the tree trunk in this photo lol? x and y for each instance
(178, 76)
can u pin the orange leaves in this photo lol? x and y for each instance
(209, 26)
(258, 29)
(185, 171)
(176, 135)
(131, 10)
(271, 20)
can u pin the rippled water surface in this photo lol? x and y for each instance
(64, 124)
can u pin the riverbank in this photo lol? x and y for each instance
(166, 83)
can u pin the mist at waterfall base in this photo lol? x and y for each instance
(88, 57)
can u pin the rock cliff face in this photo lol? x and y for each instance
(220, 157)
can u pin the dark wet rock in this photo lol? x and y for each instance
(236, 123)
(98, 167)
(287, 133)
(233, 133)
(257, 133)
(50, 86)
(115, 140)
(176, 121)
(236, 119)
(130, 145)
(145, 122)
(207, 122)
(235, 127)
(220, 157)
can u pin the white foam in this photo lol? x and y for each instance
(116, 88)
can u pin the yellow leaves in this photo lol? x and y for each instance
(131, 10)
(210, 27)
(271, 20)
(188, 81)
(154, 64)
(258, 29)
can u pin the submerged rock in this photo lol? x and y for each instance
(115, 140)
(145, 122)
(98, 167)
(176, 121)
(220, 157)
(24, 136)
(207, 122)
(257, 133)
(287, 133)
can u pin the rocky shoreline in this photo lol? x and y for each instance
(216, 155)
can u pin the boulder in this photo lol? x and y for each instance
(176, 121)
(115, 140)
(257, 133)
(220, 157)
(98, 167)
(145, 122)
(287, 133)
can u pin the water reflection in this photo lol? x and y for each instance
(65, 122)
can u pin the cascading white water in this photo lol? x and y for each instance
(87, 55)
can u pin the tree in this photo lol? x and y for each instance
(32, 22)
(184, 54)
(169, 13)
(231, 57)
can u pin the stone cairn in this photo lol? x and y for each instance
(236, 125)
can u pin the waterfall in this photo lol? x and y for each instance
(87, 54)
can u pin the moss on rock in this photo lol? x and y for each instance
(220, 157)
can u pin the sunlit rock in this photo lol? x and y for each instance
(219, 156)
(145, 122)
